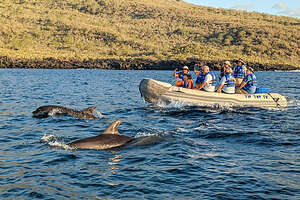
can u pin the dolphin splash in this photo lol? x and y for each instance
(50, 110)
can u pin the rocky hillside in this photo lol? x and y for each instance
(139, 34)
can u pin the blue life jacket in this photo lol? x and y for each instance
(230, 81)
(252, 82)
(213, 81)
(239, 72)
(200, 79)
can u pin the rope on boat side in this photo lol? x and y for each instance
(275, 100)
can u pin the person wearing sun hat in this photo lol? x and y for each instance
(249, 83)
(179, 75)
(239, 72)
(185, 70)
(227, 82)
(222, 71)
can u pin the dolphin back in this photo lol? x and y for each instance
(110, 138)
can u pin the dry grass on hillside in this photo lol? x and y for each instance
(147, 29)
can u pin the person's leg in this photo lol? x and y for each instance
(240, 91)
(238, 82)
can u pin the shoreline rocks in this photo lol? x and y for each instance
(128, 64)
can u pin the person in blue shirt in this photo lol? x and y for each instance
(227, 83)
(239, 72)
(249, 83)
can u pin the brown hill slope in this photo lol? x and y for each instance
(140, 31)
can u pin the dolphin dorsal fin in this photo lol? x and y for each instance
(113, 128)
(90, 109)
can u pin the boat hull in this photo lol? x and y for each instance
(153, 91)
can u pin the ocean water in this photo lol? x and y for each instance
(204, 153)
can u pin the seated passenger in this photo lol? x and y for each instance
(186, 82)
(209, 83)
(248, 85)
(227, 83)
(190, 82)
(223, 69)
(239, 72)
(185, 70)
(179, 75)
(200, 76)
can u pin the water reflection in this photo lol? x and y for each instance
(114, 161)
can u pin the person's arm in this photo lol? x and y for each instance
(220, 88)
(202, 85)
(175, 73)
(191, 84)
(242, 85)
(222, 82)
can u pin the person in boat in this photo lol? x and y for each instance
(190, 82)
(223, 69)
(249, 83)
(200, 76)
(210, 82)
(185, 70)
(227, 82)
(239, 72)
(187, 81)
(179, 75)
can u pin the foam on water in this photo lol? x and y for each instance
(99, 115)
(53, 141)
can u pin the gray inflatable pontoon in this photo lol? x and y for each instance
(153, 91)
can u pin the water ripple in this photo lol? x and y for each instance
(197, 153)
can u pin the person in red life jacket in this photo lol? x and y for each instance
(239, 72)
(227, 82)
(187, 81)
(210, 82)
(223, 69)
(181, 82)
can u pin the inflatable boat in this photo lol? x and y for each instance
(154, 91)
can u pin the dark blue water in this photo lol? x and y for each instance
(205, 153)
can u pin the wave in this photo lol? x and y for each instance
(180, 108)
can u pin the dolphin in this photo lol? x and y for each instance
(108, 139)
(46, 111)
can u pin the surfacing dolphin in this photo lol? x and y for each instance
(108, 139)
(46, 111)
